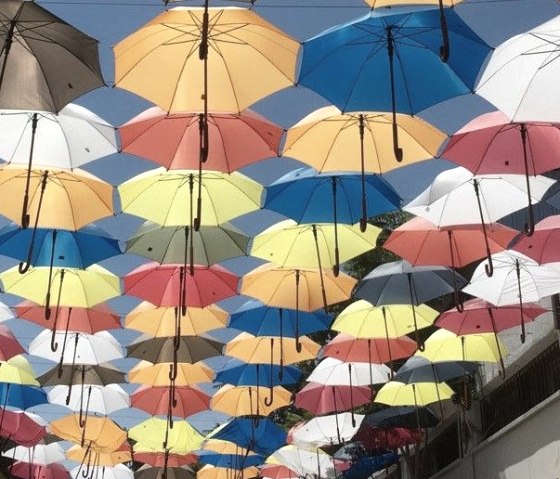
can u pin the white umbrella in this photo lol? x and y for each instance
(78, 348)
(303, 461)
(324, 430)
(521, 78)
(41, 454)
(6, 312)
(120, 471)
(334, 372)
(93, 398)
(516, 279)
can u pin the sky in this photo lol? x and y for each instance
(110, 21)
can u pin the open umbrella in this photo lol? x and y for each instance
(94, 399)
(231, 461)
(156, 399)
(398, 51)
(249, 400)
(41, 454)
(9, 345)
(224, 447)
(164, 473)
(421, 370)
(304, 461)
(20, 396)
(101, 374)
(247, 374)
(395, 393)
(213, 472)
(155, 432)
(66, 68)
(319, 398)
(188, 349)
(541, 246)
(91, 458)
(163, 459)
(38, 471)
(319, 431)
(159, 374)
(118, 471)
(17, 370)
(402, 416)
(22, 428)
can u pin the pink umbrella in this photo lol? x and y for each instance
(321, 399)
(277, 471)
(156, 400)
(21, 428)
(542, 246)
(9, 345)
(36, 471)
(491, 144)
(173, 140)
(373, 438)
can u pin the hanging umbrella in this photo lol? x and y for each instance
(155, 400)
(118, 471)
(397, 50)
(167, 197)
(420, 370)
(162, 459)
(9, 345)
(34, 471)
(262, 437)
(213, 472)
(303, 195)
(224, 447)
(67, 67)
(373, 438)
(518, 73)
(333, 372)
(319, 431)
(102, 434)
(181, 244)
(401, 283)
(154, 432)
(159, 374)
(189, 349)
(163, 473)
(517, 279)
(298, 289)
(318, 398)
(396, 393)
(247, 58)
(277, 471)
(173, 139)
(40, 454)
(89, 456)
(160, 321)
(101, 374)
(231, 461)
(246, 374)
(304, 461)
(24, 429)
(541, 246)
(249, 400)
(20, 396)
(458, 197)
(402, 416)
(17, 370)
(102, 400)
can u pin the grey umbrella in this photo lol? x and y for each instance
(401, 283)
(45, 63)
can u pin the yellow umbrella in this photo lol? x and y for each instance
(160, 321)
(69, 199)
(17, 370)
(212, 472)
(165, 197)
(225, 447)
(299, 289)
(85, 455)
(247, 59)
(362, 319)
(249, 400)
(155, 434)
(99, 433)
(158, 374)
(444, 345)
(329, 140)
(395, 393)
(310, 246)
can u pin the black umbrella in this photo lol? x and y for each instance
(402, 416)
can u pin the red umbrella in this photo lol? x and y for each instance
(321, 399)
(492, 143)
(21, 428)
(478, 316)
(172, 285)
(173, 140)
(373, 438)
(37, 471)
(542, 246)
(158, 459)
(155, 400)
(9, 345)
(277, 471)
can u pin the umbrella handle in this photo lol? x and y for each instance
(444, 49)
(172, 372)
(520, 294)
(54, 344)
(489, 268)
(362, 129)
(269, 400)
(529, 227)
(391, 52)
(25, 217)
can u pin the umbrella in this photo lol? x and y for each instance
(262, 437)
(541, 246)
(156, 399)
(17, 370)
(231, 461)
(155, 432)
(160, 321)
(163, 473)
(373, 438)
(249, 400)
(92, 458)
(395, 393)
(34, 471)
(20, 396)
(188, 349)
(401, 283)
(212, 472)
(67, 67)
(40, 454)
(518, 73)
(118, 471)
(246, 374)
(100, 433)
(482, 317)
(181, 244)
(172, 139)
(159, 374)
(25, 429)
(458, 197)
(319, 431)
(224, 447)
(9, 345)
(161, 459)
(303, 194)
(420, 370)
(277, 471)
(402, 416)
(398, 51)
(304, 461)
(318, 398)
(166, 197)
(98, 399)
(333, 372)
(274, 286)
(84, 374)
(517, 279)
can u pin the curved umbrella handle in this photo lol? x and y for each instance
(172, 372)
(362, 129)
(54, 344)
(489, 268)
(351, 396)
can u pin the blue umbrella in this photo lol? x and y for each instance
(231, 461)
(243, 374)
(21, 397)
(262, 436)
(389, 60)
(305, 196)
(367, 465)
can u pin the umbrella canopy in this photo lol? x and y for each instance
(163, 459)
(165, 197)
(102, 400)
(41, 454)
(181, 439)
(246, 374)
(89, 456)
(231, 461)
(9, 345)
(20, 396)
(101, 374)
(158, 374)
(67, 67)
(402, 416)
(303, 461)
(320, 431)
(518, 73)
(249, 401)
(420, 370)
(298, 289)
(181, 244)
(541, 245)
(333, 372)
(155, 400)
(263, 437)
(119, 471)
(212, 472)
(173, 140)
(246, 58)
(318, 398)
(101, 433)
(396, 393)
(160, 321)
(188, 349)
(164, 473)
(25, 429)
(33, 471)
(17, 370)
(224, 447)
(373, 438)
(370, 350)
